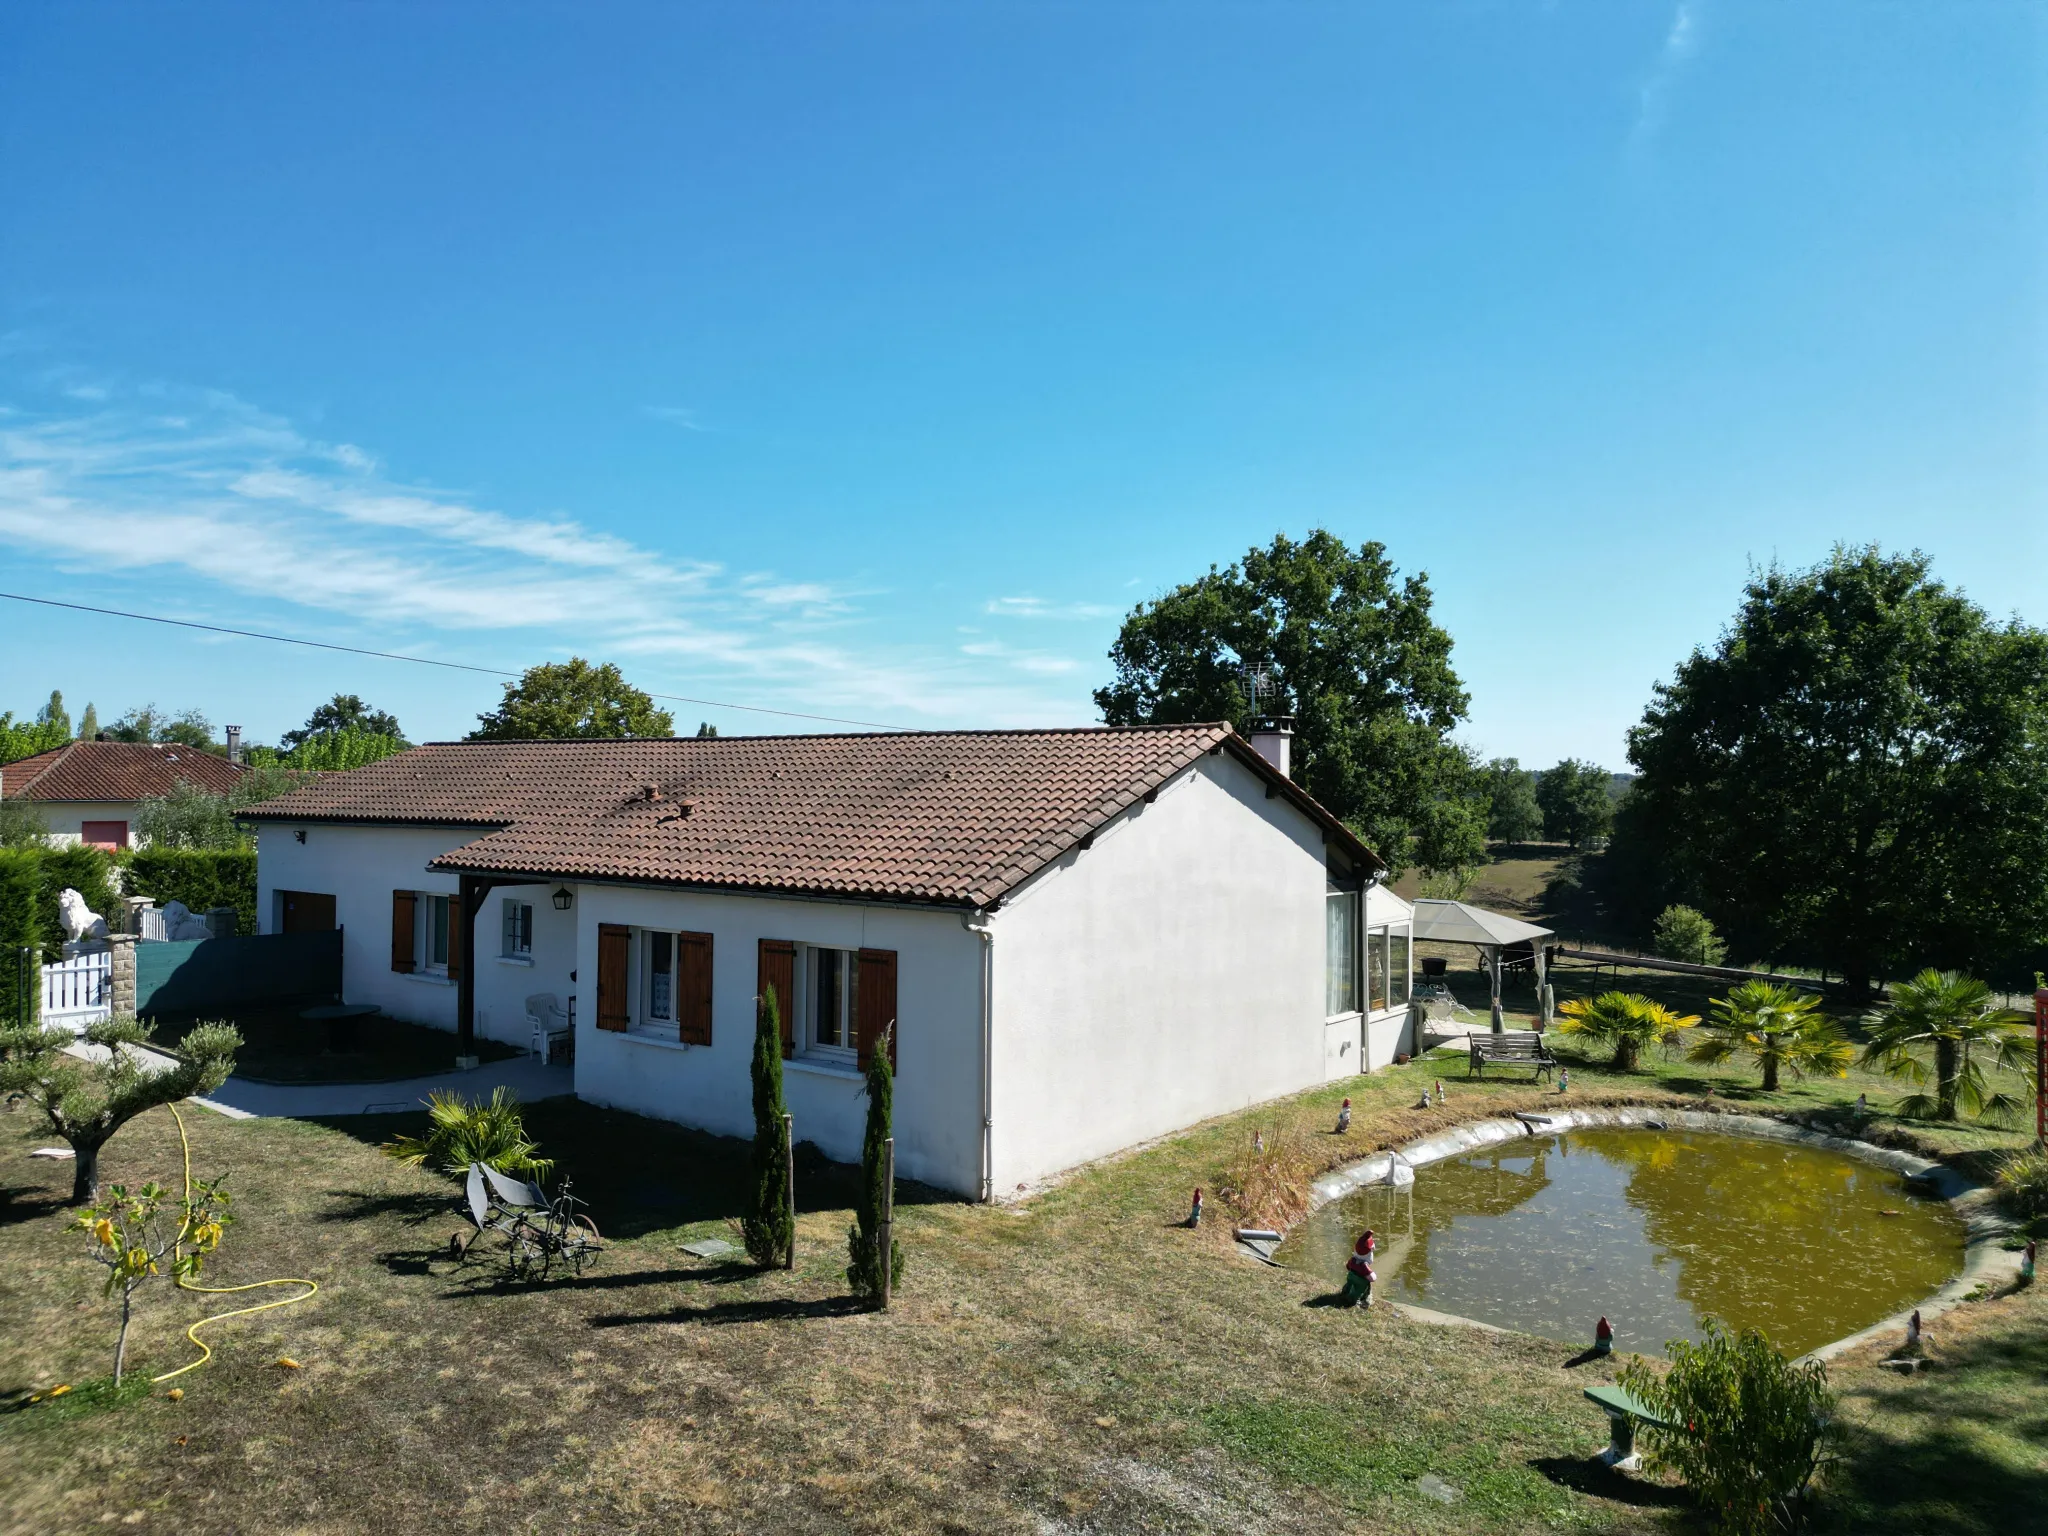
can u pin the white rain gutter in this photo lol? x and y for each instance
(977, 923)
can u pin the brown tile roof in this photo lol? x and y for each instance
(115, 770)
(952, 817)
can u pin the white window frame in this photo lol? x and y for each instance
(807, 1042)
(1360, 991)
(654, 1008)
(425, 904)
(512, 924)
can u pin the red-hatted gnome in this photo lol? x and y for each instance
(1603, 1337)
(1344, 1117)
(1358, 1273)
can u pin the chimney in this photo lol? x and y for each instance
(1273, 739)
(234, 743)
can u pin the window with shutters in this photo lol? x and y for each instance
(431, 919)
(827, 992)
(660, 974)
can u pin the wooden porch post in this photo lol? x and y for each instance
(472, 893)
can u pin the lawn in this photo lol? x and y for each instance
(1077, 1363)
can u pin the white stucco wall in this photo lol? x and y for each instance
(1172, 972)
(66, 818)
(360, 867)
(938, 1050)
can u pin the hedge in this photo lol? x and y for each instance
(21, 883)
(202, 878)
(31, 879)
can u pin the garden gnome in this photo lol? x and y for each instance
(1564, 1078)
(1344, 1117)
(1439, 1090)
(1258, 1141)
(2027, 1264)
(1195, 1213)
(1423, 1102)
(1862, 1105)
(1603, 1337)
(1358, 1272)
(1913, 1330)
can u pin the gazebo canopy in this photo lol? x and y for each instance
(1453, 922)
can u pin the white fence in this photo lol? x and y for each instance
(79, 991)
(150, 924)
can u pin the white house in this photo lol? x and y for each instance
(91, 791)
(1078, 939)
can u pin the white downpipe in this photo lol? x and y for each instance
(978, 923)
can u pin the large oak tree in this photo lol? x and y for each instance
(1349, 648)
(572, 700)
(1856, 774)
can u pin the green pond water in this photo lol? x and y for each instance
(1655, 1230)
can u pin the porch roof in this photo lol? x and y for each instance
(1456, 922)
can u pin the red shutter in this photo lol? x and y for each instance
(693, 988)
(778, 975)
(401, 930)
(877, 1003)
(611, 975)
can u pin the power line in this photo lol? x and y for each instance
(419, 661)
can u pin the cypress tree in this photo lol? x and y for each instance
(769, 1232)
(864, 1274)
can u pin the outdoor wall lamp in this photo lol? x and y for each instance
(562, 899)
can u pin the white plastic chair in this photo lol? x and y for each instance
(550, 1025)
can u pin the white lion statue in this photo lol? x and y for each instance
(80, 921)
(182, 923)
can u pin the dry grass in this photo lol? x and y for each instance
(1077, 1364)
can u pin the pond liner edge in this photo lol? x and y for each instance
(1987, 1265)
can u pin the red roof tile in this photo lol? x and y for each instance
(115, 770)
(951, 817)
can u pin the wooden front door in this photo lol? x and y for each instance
(306, 912)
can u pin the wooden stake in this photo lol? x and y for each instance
(789, 1183)
(885, 1232)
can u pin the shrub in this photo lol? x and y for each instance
(21, 880)
(770, 1234)
(22, 824)
(1944, 1026)
(1755, 1426)
(1777, 1027)
(1683, 933)
(1626, 1019)
(128, 1235)
(864, 1238)
(2023, 1183)
(202, 878)
(460, 1133)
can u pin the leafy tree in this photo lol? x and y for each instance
(1512, 814)
(1884, 726)
(1576, 799)
(25, 738)
(1353, 652)
(193, 817)
(706, 730)
(22, 824)
(187, 728)
(1684, 933)
(1777, 1027)
(339, 751)
(1755, 1426)
(89, 723)
(342, 713)
(1450, 835)
(54, 715)
(1953, 1019)
(460, 1132)
(128, 1236)
(864, 1237)
(769, 1233)
(572, 700)
(86, 1102)
(1627, 1020)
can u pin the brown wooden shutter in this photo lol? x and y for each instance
(693, 988)
(877, 1003)
(402, 909)
(458, 936)
(778, 974)
(612, 942)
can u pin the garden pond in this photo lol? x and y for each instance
(1655, 1230)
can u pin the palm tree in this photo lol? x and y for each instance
(1627, 1018)
(1779, 1028)
(1950, 1016)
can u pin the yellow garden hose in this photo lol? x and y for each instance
(192, 1333)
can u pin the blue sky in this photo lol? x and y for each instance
(871, 360)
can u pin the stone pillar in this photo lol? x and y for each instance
(121, 981)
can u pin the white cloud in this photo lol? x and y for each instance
(676, 416)
(1653, 99)
(191, 487)
(1039, 608)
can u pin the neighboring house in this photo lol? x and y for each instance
(90, 791)
(1082, 938)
